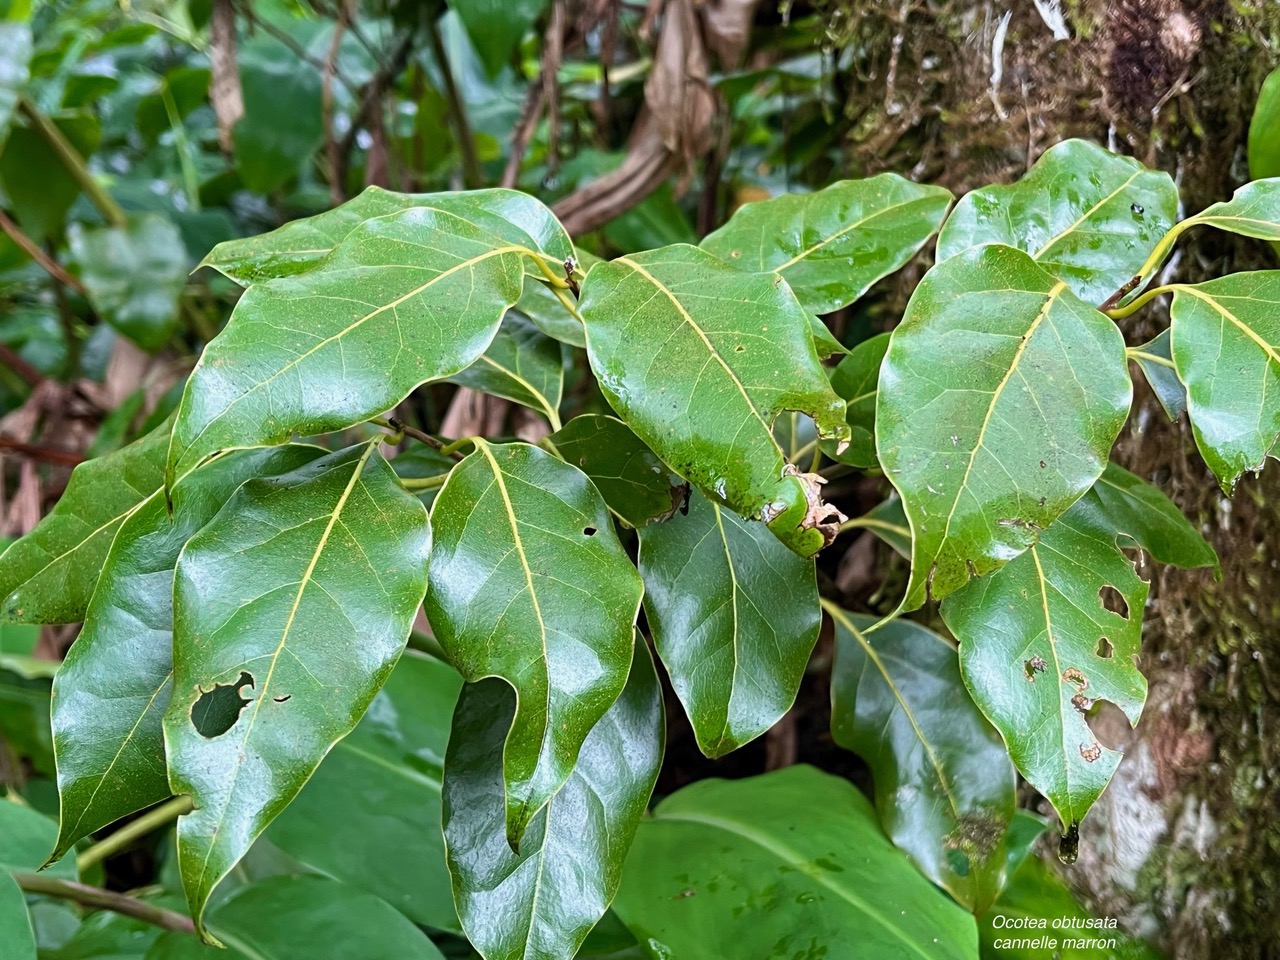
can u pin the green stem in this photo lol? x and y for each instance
(419, 484)
(164, 814)
(871, 523)
(101, 899)
(1119, 313)
(74, 163)
(1133, 353)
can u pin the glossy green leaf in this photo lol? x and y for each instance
(1226, 338)
(734, 616)
(404, 299)
(497, 26)
(944, 785)
(542, 901)
(856, 379)
(1264, 130)
(1150, 520)
(290, 609)
(1039, 646)
(699, 359)
(1000, 397)
(16, 932)
(792, 863)
(1252, 211)
(302, 245)
(49, 575)
(24, 710)
(15, 62)
(1155, 357)
(113, 687)
(824, 341)
(635, 484)
(305, 916)
(833, 244)
(529, 583)
(1087, 216)
(134, 275)
(523, 365)
(370, 815)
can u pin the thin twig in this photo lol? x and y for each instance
(337, 190)
(294, 47)
(32, 249)
(530, 114)
(48, 454)
(162, 815)
(373, 91)
(14, 362)
(552, 54)
(96, 897)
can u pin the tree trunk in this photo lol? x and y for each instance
(1184, 847)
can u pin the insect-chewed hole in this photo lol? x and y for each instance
(739, 348)
(588, 531)
(1113, 600)
(217, 710)
(1104, 648)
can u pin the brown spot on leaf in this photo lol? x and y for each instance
(820, 516)
(1033, 666)
(1072, 675)
(1090, 751)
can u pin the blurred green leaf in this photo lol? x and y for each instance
(134, 275)
(497, 26)
(282, 125)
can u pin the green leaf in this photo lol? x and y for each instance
(302, 245)
(1155, 357)
(24, 710)
(1000, 398)
(1087, 216)
(1252, 211)
(496, 27)
(792, 862)
(15, 63)
(290, 609)
(1038, 647)
(888, 521)
(282, 123)
(1150, 520)
(134, 275)
(856, 380)
(16, 932)
(404, 299)
(114, 685)
(49, 575)
(522, 365)
(312, 917)
(542, 901)
(734, 616)
(370, 815)
(25, 838)
(635, 484)
(1037, 894)
(699, 359)
(39, 188)
(833, 244)
(529, 583)
(1264, 130)
(945, 789)
(1225, 338)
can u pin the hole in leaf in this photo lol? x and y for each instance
(217, 710)
(1113, 600)
(1033, 666)
(739, 348)
(588, 531)
(1104, 648)
(286, 697)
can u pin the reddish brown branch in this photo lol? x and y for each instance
(32, 249)
(48, 454)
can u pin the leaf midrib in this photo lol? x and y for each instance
(258, 700)
(791, 856)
